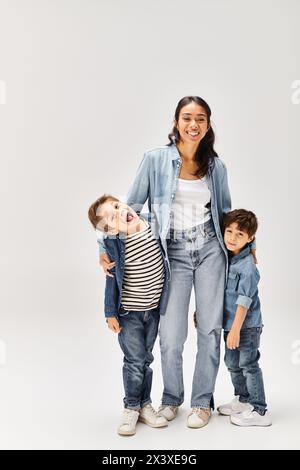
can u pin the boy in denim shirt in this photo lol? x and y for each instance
(243, 323)
(134, 299)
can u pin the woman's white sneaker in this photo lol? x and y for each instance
(168, 411)
(235, 406)
(251, 418)
(129, 420)
(199, 417)
(149, 416)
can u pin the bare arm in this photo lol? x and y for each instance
(233, 338)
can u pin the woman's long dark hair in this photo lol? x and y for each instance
(205, 152)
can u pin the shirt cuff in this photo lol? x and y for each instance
(110, 315)
(101, 249)
(244, 301)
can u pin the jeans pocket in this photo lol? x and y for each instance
(169, 241)
(210, 233)
(259, 332)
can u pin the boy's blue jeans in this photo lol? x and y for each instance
(137, 338)
(245, 372)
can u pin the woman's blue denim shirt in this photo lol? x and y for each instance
(156, 181)
(115, 248)
(241, 289)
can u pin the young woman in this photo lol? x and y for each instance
(186, 186)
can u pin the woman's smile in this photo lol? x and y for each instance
(193, 134)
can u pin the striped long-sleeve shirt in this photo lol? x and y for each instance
(143, 271)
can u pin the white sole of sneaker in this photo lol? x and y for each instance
(194, 426)
(168, 419)
(126, 433)
(249, 425)
(143, 420)
(225, 413)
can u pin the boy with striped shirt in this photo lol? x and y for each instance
(135, 295)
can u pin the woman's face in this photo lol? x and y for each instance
(192, 123)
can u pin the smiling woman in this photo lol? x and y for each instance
(193, 247)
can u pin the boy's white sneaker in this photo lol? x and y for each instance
(251, 418)
(129, 420)
(149, 416)
(168, 411)
(235, 406)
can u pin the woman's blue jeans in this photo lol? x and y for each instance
(196, 260)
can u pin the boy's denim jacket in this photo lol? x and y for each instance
(115, 248)
(241, 289)
(156, 181)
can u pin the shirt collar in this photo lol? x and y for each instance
(175, 155)
(124, 237)
(245, 252)
(174, 152)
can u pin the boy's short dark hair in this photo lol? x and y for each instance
(94, 218)
(245, 220)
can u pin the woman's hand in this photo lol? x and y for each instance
(253, 252)
(114, 325)
(106, 264)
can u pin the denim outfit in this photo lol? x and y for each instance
(242, 363)
(241, 289)
(139, 329)
(201, 262)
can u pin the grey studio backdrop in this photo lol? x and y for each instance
(86, 87)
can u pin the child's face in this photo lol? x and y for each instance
(235, 239)
(118, 217)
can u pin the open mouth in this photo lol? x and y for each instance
(126, 216)
(129, 217)
(193, 133)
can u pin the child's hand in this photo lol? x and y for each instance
(114, 325)
(233, 339)
(106, 264)
(195, 319)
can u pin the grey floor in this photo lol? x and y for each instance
(69, 396)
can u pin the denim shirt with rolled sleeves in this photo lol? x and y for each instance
(115, 248)
(156, 181)
(242, 289)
